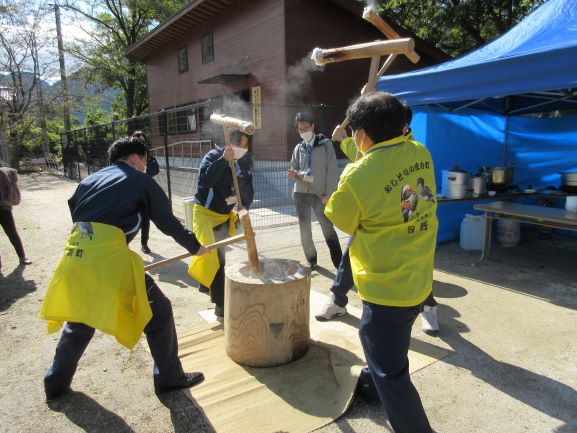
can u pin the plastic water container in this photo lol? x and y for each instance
(472, 231)
(571, 203)
(508, 232)
(188, 203)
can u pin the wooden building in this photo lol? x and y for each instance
(251, 58)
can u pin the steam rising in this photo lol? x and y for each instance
(299, 78)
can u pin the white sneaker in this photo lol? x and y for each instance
(429, 322)
(330, 310)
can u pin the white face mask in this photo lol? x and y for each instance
(307, 136)
(239, 152)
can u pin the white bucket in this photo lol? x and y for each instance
(571, 203)
(508, 232)
(472, 231)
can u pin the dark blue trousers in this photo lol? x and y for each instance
(343, 281)
(145, 230)
(304, 203)
(160, 333)
(385, 334)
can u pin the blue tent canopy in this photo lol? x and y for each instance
(531, 68)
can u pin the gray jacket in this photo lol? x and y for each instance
(323, 166)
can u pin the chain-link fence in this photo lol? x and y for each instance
(180, 137)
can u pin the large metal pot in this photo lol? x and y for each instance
(568, 178)
(479, 185)
(569, 181)
(501, 176)
(455, 183)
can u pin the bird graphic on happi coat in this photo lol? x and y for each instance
(424, 191)
(409, 200)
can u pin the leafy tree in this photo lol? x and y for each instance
(117, 24)
(21, 68)
(457, 26)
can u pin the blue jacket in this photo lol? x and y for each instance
(121, 196)
(215, 183)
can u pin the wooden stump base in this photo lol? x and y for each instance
(266, 320)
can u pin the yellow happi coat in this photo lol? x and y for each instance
(99, 282)
(203, 268)
(387, 201)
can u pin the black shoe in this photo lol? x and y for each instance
(219, 311)
(203, 289)
(189, 380)
(145, 249)
(54, 394)
(24, 261)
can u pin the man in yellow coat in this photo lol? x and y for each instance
(393, 247)
(100, 283)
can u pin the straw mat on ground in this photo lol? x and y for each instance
(297, 397)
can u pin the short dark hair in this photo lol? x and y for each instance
(408, 114)
(124, 147)
(380, 115)
(236, 136)
(138, 134)
(304, 117)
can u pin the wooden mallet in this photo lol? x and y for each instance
(362, 51)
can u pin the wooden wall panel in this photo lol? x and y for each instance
(248, 37)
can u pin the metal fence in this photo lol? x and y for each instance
(180, 137)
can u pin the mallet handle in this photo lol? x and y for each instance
(373, 82)
(219, 244)
(370, 15)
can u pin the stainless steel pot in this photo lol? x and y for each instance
(479, 185)
(458, 177)
(501, 175)
(568, 178)
(455, 183)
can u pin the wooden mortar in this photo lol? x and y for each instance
(266, 319)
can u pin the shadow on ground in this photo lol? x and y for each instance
(542, 393)
(89, 415)
(13, 287)
(516, 268)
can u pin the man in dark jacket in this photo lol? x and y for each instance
(214, 201)
(113, 201)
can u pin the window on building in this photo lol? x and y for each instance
(207, 48)
(182, 60)
(178, 121)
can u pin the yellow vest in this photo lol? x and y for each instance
(203, 268)
(387, 201)
(99, 282)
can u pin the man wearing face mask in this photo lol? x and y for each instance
(392, 251)
(101, 284)
(213, 217)
(313, 167)
(243, 156)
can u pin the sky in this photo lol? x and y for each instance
(72, 30)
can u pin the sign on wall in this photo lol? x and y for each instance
(256, 107)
